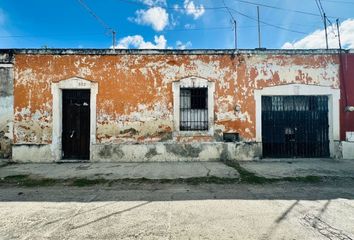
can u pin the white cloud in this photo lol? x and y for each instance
(193, 10)
(317, 38)
(138, 41)
(154, 2)
(156, 17)
(182, 46)
(173, 21)
(189, 8)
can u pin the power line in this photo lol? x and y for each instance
(223, 7)
(269, 24)
(108, 28)
(198, 29)
(228, 10)
(171, 8)
(324, 18)
(278, 8)
(234, 22)
(105, 26)
(91, 34)
(346, 2)
(320, 8)
(282, 9)
(50, 35)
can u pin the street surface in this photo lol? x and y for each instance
(282, 210)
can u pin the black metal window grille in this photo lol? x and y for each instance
(193, 109)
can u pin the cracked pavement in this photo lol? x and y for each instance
(153, 170)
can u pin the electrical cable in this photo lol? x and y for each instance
(269, 24)
(105, 26)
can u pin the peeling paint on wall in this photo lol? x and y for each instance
(6, 110)
(135, 99)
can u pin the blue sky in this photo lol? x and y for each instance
(169, 23)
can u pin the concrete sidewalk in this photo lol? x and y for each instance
(110, 171)
(280, 168)
(267, 168)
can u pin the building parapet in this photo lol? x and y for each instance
(73, 51)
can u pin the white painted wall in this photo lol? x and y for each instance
(6, 109)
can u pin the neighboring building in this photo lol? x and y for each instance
(347, 104)
(167, 105)
(6, 103)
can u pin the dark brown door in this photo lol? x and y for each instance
(76, 124)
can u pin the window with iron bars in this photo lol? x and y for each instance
(193, 109)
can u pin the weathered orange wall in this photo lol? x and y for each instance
(135, 99)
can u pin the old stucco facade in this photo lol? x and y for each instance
(6, 104)
(133, 100)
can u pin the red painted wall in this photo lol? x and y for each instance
(347, 93)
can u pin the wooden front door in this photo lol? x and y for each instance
(76, 124)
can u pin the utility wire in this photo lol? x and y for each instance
(228, 10)
(324, 15)
(171, 8)
(278, 8)
(282, 9)
(91, 34)
(269, 24)
(223, 7)
(198, 29)
(49, 35)
(320, 7)
(234, 22)
(108, 28)
(325, 20)
(105, 26)
(347, 2)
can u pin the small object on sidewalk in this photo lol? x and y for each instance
(20, 193)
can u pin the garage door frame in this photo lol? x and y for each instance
(305, 90)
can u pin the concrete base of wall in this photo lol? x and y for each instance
(348, 150)
(164, 152)
(159, 152)
(154, 152)
(337, 150)
(32, 153)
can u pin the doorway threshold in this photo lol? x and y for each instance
(73, 161)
